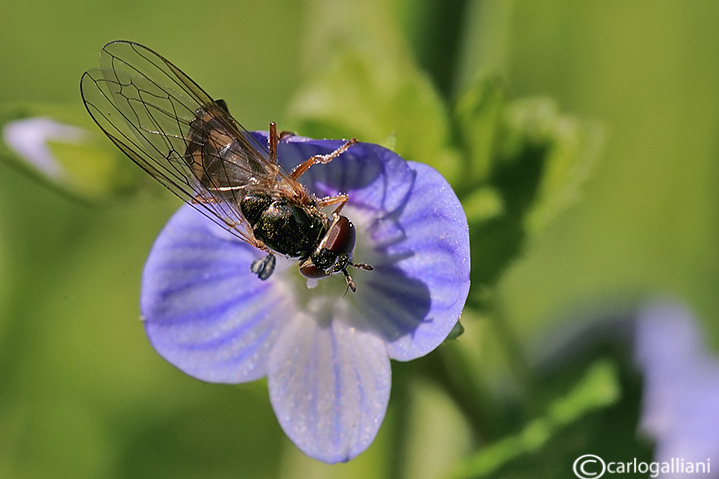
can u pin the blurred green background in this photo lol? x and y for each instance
(82, 394)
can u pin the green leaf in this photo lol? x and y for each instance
(62, 147)
(477, 117)
(597, 390)
(482, 205)
(457, 331)
(569, 147)
(525, 164)
(361, 81)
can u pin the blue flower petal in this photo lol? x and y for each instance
(374, 177)
(205, 311)
(418, 232)
(681, 389)
(422, 283)
(326, 355)
(329, 384)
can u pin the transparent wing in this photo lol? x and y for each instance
(173, 130)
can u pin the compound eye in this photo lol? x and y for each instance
(309, 270)
(341, 237)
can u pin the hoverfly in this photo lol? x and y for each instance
(172, 129)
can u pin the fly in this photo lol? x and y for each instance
(172, 129)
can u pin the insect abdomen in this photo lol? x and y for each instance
(218, 159)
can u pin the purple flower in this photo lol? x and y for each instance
(326, 354)
(681, 396)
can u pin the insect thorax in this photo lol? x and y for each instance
(287, 228)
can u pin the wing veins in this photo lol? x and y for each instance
(130, 105)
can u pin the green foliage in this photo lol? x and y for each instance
(524, 164)
(362, 82)
(477, 117)
(515, 165)
(569, 147)
(553, 230)
(597, 390)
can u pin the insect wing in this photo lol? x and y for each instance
(173, 130)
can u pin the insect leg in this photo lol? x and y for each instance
(272, 141)
(333, 200)
(362, 266)
(322, 159)
(350, 282)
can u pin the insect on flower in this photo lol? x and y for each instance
(190, 143)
